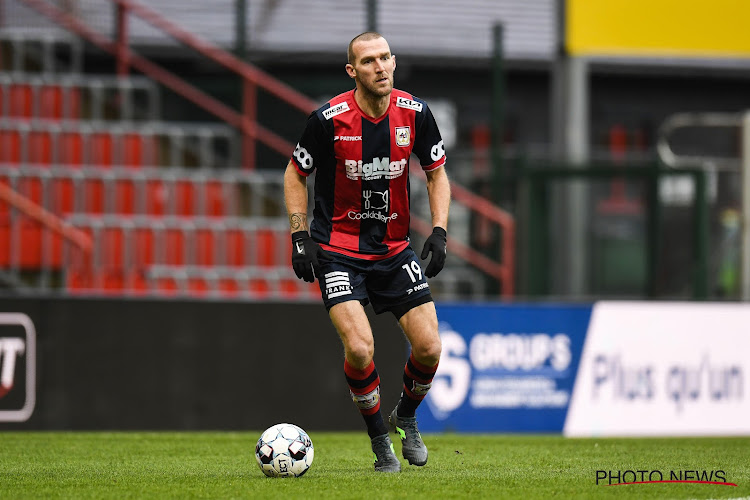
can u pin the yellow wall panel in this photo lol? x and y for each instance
(671, 28)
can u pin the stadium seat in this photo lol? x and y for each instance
(125, 196)
(70, 148)
(10, 146)
(184, 193)
(39, 147)
(50, 102)
(175, 247)
(20, 101)
(204, 247)
(228, 287)
(235, 248)
(100, 149)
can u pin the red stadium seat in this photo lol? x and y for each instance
(214, 196)
(167, 286)
(175, 246)
(70, 148)
(100, 149)
(4, 244)
(204, 251)
(132, 150)
(111, 245)
(143, 248)
(259, 288)
(10, 146)
(265, 246)
(51, 102)
(125, 196)
(235, 247)
(198, 286)
(228, 287)
(93, 192)
(39, 147)
(72, 110)
(63, 195)
(184, 198)
(20, 101)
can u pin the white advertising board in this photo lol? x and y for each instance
(663, 369)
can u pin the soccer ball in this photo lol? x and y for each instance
(284, 450)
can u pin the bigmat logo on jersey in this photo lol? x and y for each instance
(17, 367)
(614, 369)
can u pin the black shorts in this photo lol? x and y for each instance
(395, 284)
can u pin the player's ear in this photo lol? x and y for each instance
(351, 71)
(393, 57)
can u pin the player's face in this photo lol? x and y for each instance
(373, 66)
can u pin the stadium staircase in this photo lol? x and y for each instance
(100, 194)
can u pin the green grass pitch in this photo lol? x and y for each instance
(222, 465)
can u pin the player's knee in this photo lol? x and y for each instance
(360, 353)
(428, 353)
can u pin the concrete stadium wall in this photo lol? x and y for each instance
(175, 364)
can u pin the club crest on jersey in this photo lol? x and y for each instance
(403, 102)
(339, 108)
(403, 136)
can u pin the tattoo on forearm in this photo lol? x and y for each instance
(298, 221)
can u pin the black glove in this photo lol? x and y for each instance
(436, 244)
(306, 255)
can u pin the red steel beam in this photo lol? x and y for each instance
(222, 57)
(46, 218)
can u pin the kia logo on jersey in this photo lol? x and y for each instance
(17, 367)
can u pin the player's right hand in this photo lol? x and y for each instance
(306, 256)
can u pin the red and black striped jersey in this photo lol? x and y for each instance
(361, 169)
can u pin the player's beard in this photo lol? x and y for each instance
(376, 90)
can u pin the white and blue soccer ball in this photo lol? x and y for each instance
(284, 450)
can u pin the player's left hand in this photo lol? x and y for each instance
(436, 244)
(306, 256)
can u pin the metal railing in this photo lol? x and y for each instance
(81, 243)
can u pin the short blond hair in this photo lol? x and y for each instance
(366, 36)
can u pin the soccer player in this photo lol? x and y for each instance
(359, 144)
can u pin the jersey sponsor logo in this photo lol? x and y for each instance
(337, 284)
(437, 151)
(403, 136)
(372, 215)
(381, 199)
(380, 168)
(345, 138)
(403, 102)
(339, 108)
